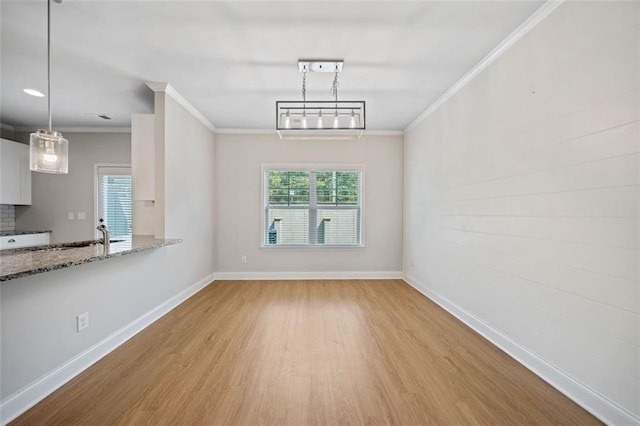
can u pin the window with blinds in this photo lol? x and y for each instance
(312, 207)
(114, 200)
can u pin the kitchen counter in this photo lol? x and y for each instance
(21, 262)
(7, 233)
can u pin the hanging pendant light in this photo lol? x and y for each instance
(287, 120)
(352, 122)
(48, 149)
(322, 119)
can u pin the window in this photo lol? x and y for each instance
(114, 199)
(312, 206)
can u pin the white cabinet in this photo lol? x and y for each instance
(24, 240)
(15, 176)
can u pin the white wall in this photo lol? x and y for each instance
(521, 197)
(239, 220)
(143, 173)
(54, 196)
(38, 312)
(189, 189)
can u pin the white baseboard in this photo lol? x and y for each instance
(591, 400)
(350, 275)
(21, 401)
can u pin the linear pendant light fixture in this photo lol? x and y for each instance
(327, 119)
(48, 149)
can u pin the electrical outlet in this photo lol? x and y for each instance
(82, 216)
(70, 215)
(243, 259)
(82, 321)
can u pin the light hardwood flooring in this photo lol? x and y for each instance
(304, 353)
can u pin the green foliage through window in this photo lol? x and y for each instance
(332, 187)
(288, 188)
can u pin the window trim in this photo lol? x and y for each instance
(315, 167)
(96, 190)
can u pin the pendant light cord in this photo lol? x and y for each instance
(49, 60)
(304, 91)
(304, 84)
(334, 86)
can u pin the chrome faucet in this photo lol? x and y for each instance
(105, 235)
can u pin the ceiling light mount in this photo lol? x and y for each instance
(304, 119)
(320, 65)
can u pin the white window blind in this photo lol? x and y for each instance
(313, 207)
(114, 200)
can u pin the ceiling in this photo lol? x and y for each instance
(233, 59)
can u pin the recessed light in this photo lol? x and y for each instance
(34, 92)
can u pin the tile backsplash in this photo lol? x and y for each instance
(7, 217)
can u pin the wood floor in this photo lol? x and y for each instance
(305, 353)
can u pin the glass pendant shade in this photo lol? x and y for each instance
(309, 120)
(48, 152)
(287, 121)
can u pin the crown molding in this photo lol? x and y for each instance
(169, 90)
(79, 129)
(533, 20)
(227, 131)
(95, 129)
(7, 127)
(157, 86)
(383, 133)
(222, 131)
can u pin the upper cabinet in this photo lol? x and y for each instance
(15, 176)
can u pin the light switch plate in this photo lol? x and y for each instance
(70, 215)
(82, 216)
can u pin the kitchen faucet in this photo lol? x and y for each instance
(105, 235)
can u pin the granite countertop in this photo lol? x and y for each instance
(16, 263)
(7, 233)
